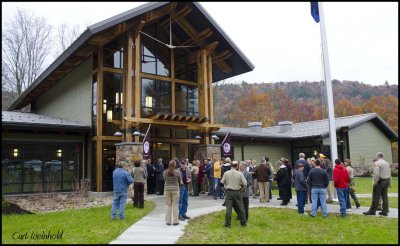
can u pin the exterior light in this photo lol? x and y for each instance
(315, 152)
(142, 134)
(149, 102)
(118, 134)
(59, 153)
(15, 152)
(136, 133)
(117, 98)
(109, 116)
(198, 137)
(122, 98)
(215, 137)
(104, 106)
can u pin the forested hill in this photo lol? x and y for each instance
(237, 104)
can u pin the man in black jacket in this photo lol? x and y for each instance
(160, 176)
(151, 177)
(282, 178)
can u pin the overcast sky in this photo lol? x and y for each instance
(280, 39)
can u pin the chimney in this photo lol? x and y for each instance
(285, 126)
(255, 126)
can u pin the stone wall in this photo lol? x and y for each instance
(129, 152)
(205, 151)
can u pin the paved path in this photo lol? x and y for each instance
(152, 229)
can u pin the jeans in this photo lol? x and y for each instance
(347, 198)
(318, 194)
(301, 200)
(119, 201)
(183, 200)
(341, 193)
(210, 184)
(217, 189)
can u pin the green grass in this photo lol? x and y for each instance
(285, 226)
(79, 226)
(364, 185)
(366, 201)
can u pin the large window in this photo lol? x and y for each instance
(155, 56)
(112, 102)
(156, 97)
(186, 100)
(185, 69)
(94, 104)
(40, 167)
(114, 54)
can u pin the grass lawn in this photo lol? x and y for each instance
(285, 226)
(363, 186)
(79, 226)
(366, 201)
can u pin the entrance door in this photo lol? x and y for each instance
(181, 150)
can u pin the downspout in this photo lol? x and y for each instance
(242, 146)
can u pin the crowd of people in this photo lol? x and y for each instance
(233, 181)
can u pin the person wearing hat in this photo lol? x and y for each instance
(341, 182)
(234, 182)
(301, 188)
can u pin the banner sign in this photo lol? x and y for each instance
(146, 144)
(226, 147)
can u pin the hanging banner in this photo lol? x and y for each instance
(226, 147)
(146, 144)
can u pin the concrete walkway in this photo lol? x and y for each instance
(152, 229)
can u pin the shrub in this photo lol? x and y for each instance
(395, 172)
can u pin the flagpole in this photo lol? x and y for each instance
(329, 91)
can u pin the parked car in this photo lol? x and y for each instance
(35, 164)
(54, 165)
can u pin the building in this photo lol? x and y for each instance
(152, 65)
(359, 137)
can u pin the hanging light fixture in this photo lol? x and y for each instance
(118, 134)
(104, 106)
(109, 115)
(149, 102)
(215, 137)
(136, 133)
(197, 137)
(15, 152)
(59, 153)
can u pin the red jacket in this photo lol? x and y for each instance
(340, 177)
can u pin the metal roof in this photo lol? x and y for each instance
(23, 120)
(319, 128)
(239, 62)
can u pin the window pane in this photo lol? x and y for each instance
(148, 97)
(148, 65)
(113, 54)
(164, 95)
(181, 99)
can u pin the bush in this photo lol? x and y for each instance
(395, 172)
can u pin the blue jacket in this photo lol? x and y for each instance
(299, 181)
(207, 169)
(121, 180)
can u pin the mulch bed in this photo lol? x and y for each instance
(12, 208)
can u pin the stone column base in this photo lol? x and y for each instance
(129, 152)
(204, 151)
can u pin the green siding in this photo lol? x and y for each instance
(365, 140)
(257, 150)
(69, 98)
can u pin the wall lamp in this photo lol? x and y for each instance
(215, 137)
(134, 132)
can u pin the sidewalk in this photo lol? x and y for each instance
(152, 229)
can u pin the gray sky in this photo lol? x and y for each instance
(280, 39)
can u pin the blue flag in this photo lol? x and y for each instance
(314, 11)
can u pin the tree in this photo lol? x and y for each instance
(65, 36)
(25, 47)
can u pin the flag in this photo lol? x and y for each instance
(146, 144)
(315, 11)
(226, 147)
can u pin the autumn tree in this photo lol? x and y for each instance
(255, 106)
(344, 107)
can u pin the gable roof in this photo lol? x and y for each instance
(199, 16)
(318, 128)
(24, 120)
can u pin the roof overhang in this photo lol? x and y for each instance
(83, 47)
